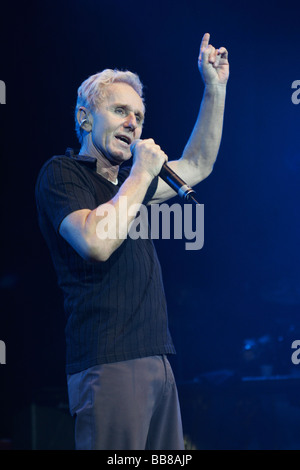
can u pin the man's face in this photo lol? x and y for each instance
(118, 122)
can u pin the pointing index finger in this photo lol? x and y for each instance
(204, 42)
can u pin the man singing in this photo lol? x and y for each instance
(121, 386)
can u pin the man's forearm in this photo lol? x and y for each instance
(107, 226)
(203, 145)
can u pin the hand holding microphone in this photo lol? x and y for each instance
(173, 180)
(148, 156)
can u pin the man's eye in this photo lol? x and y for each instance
(120, 111)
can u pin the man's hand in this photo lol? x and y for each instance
(213, 63)
(148, 158)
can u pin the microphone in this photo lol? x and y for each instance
(172, 179)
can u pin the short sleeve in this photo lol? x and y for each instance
(62, 188)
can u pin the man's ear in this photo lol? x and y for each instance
(84, 119)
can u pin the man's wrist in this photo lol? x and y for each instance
(217, 88)
(141, 175)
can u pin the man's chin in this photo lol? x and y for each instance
(118, 157)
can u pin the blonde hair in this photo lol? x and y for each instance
(93, 90)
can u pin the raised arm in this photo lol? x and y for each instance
(202, 148)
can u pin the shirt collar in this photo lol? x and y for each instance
(89, 161)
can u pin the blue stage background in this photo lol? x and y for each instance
(234, 304)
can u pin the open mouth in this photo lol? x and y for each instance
(124, 138)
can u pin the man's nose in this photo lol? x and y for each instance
(130, 121)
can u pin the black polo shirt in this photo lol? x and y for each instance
(115, 310)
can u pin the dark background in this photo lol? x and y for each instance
(234, 304)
